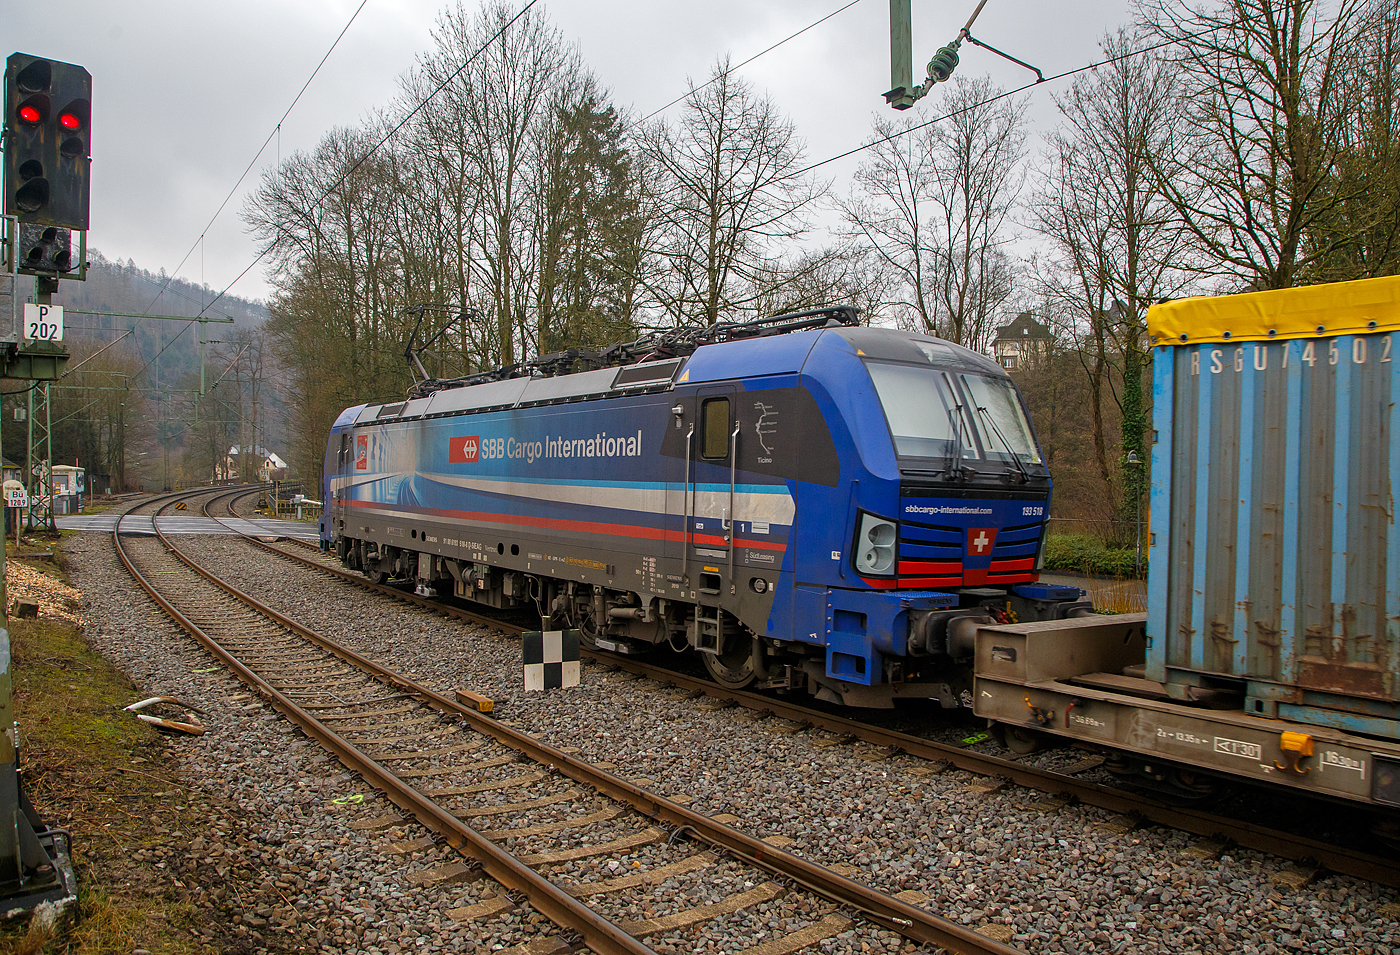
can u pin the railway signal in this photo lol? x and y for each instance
(48, 113)
(48, 117)
(45, 248)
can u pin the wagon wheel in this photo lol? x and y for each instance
(732, 667)
(1020, 740)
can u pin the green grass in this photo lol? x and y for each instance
(97, 771)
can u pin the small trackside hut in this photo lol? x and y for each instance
(1271, 645)
(810, 505)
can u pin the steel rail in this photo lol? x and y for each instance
(891, 913)
(1249, 835)
(599, 933)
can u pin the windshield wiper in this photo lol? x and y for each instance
(1015, 458)
(955, 470)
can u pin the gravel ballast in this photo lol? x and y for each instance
(1057, 881)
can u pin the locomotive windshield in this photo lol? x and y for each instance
(935, 414)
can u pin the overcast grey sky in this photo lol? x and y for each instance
(185, 91)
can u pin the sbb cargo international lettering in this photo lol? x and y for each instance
(474, 448)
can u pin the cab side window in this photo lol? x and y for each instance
(715, 430)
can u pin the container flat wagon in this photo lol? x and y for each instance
(1271, 645)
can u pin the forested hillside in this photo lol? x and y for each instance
(130, 408)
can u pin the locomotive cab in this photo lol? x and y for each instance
(945, 495)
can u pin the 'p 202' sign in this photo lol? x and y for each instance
(464, 450)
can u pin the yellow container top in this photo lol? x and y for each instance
(1363, 307)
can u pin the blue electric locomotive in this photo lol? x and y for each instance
(808, 503)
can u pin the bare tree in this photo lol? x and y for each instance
(488, 113)
(977, 156)
(1114, 242)
(727, 189)
(1358, 236)
(890, 212)
(934, 202)
(847, 274)
(98, 399)
(325, 218)
(1261, 105)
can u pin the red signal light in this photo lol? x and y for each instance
(69, 121)
(29, 114)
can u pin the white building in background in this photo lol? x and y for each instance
(1022, 343)
(268, 466)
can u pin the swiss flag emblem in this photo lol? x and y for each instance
(981, 540)
(463, 450)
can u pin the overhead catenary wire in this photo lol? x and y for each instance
(994, 98)
(199, 242)
(739, 66)
(276, 132)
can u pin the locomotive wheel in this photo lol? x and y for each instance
(732, 668)
(376, 576)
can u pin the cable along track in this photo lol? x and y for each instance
(516, 809)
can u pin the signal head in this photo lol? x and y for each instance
(46, 150)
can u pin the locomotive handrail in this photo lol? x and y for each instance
(733, 524)
(685, 506)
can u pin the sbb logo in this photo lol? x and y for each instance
(463, 450)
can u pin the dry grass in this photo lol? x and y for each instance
(1117, 596)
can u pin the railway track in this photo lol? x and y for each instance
(512, 806)
(1136, 808)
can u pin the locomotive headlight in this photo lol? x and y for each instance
(875, 545)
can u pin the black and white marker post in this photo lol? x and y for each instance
(551, 659)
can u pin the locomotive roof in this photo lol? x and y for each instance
(719, 361)
(894, 345)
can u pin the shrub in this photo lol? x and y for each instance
(1086, 555)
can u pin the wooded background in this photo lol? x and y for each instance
(1220, 147)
